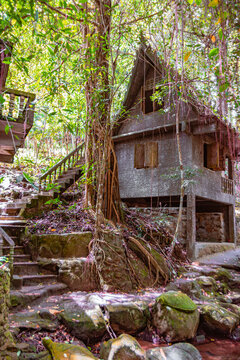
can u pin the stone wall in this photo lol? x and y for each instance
(6, 341)
(210, 227)
(55, 246)
(168, 217)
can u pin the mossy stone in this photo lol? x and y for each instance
(60, 351)
(124, 347)
(177, 300)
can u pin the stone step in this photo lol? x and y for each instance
(63, 181)
(25, 268)
(20, 258)
(29, 280)
(18, 250)
(33, 294)
(13, 211)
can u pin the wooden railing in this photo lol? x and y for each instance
(227, 186)
(50, 177)
(17, 106)
(5, 237)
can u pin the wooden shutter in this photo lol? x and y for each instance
(213, 156)
(222, 159)
(139, 156)
(151, 155)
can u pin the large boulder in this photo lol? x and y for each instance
(60, 351)
(175, 316)
(128, 317)
(85, 321)
(180, 351)
(125, 347)
(216, 318)
(187, 286)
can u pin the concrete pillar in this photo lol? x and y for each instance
(232, 224)
(191, 225)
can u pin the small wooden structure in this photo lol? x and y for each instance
(16, 110)
(146, 149)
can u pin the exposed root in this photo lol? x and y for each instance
(151, 260)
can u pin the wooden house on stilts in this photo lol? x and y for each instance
(16, 110)
(146, 149)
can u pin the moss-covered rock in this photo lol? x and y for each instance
(223, 274)
(175, 316)
(86, 322)
(44, 355)
(177, 300)
(216, 318)
(188, 286)
(130, 318)
(33, 320)
(207, 283)
(6, 340)
(125, 347)
(61, 351)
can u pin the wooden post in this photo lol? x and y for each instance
(191, 225)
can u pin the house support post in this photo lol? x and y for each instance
(191, 225)
(232, 224)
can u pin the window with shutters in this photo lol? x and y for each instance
(214, 157)
(146, 155)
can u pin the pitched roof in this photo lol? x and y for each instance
(146, 58)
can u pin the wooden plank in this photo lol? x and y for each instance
(213, 156)
(139, 156)
(151, 154)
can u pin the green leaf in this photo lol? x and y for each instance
(2, 100)
(190, 1)
(220, 33)
(7, 60)
(213, 52)
(7, 128)
(198, 2)
(223, 87)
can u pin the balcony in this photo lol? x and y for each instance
(16, 120)
(227, 186)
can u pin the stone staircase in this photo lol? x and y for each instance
(29, 281)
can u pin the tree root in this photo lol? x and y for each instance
(150, 259)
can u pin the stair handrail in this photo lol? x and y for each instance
(24, 109)
(11, 243)
(61, 166)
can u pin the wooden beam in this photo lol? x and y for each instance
(205, 129)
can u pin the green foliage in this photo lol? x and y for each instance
(55, 201)
(3, 261)
(51, 58)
